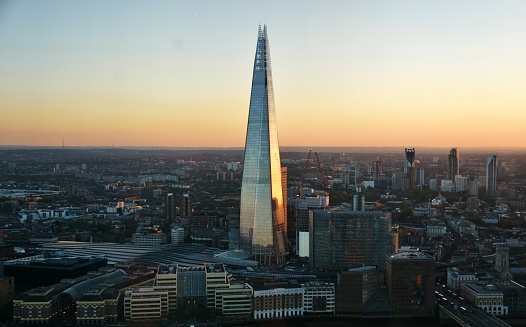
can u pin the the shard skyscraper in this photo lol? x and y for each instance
(262, 216)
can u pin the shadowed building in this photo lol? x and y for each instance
(410, 280)
(262, 213)
(354, 287)
(491, 174)
(453, 164)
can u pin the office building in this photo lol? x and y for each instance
(145, 303)
(177, 289)
(262, 211)
(341, 239)
(474, 184)
(235, 302)
(177, 235)
(461, 183)
(410, 281)
(355, 286)
(453, 164)
(318, 297)
(146, 235)
(491, 174)
(301, 207)
(421, 177)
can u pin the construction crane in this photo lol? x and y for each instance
(323, 178)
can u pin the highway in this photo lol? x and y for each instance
(465, 313)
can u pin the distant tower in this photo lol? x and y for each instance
(491, 174)
(170, 208)
(358, 203)
(502, 256)
(262, 211)
(410, 166)
(453, 164)
(186, 208)
(377, 169)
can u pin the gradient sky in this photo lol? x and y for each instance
(346, 73)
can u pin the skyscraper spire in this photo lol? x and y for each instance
(262, 216)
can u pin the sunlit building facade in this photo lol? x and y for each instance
(262, 216)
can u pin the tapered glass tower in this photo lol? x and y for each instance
(262, 217)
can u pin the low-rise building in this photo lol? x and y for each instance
(318, 297)
(456, 277)
(145, 303)
(177, 289)
(488, 297)
(148, 236)
(354, 287)
(234, 302)
(277, 300)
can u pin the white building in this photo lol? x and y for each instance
(447, 185)
(457, 277)
(277, 300)
(487, 297)
(461, 183)
(177, 234)
(318, 297)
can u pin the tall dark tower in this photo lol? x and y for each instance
(262, 212)
(170, 208)
(410, 166)
(491, 174)
(453, 164)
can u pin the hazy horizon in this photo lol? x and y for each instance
(358, 149)
(346, 73)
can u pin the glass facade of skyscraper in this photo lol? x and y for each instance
(262, 217)
(340, 239)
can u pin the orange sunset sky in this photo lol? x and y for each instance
(346, 73)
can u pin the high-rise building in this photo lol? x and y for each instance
(410, 280)
(378, 166)
(453, 164)
(491, 174)
(262, 211)
(170, 208)
(410, 168)
(302, 206)
(186, 208)
(341, 239)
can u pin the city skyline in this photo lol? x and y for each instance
(351, 74)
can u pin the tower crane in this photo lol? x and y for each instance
(324, 179)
